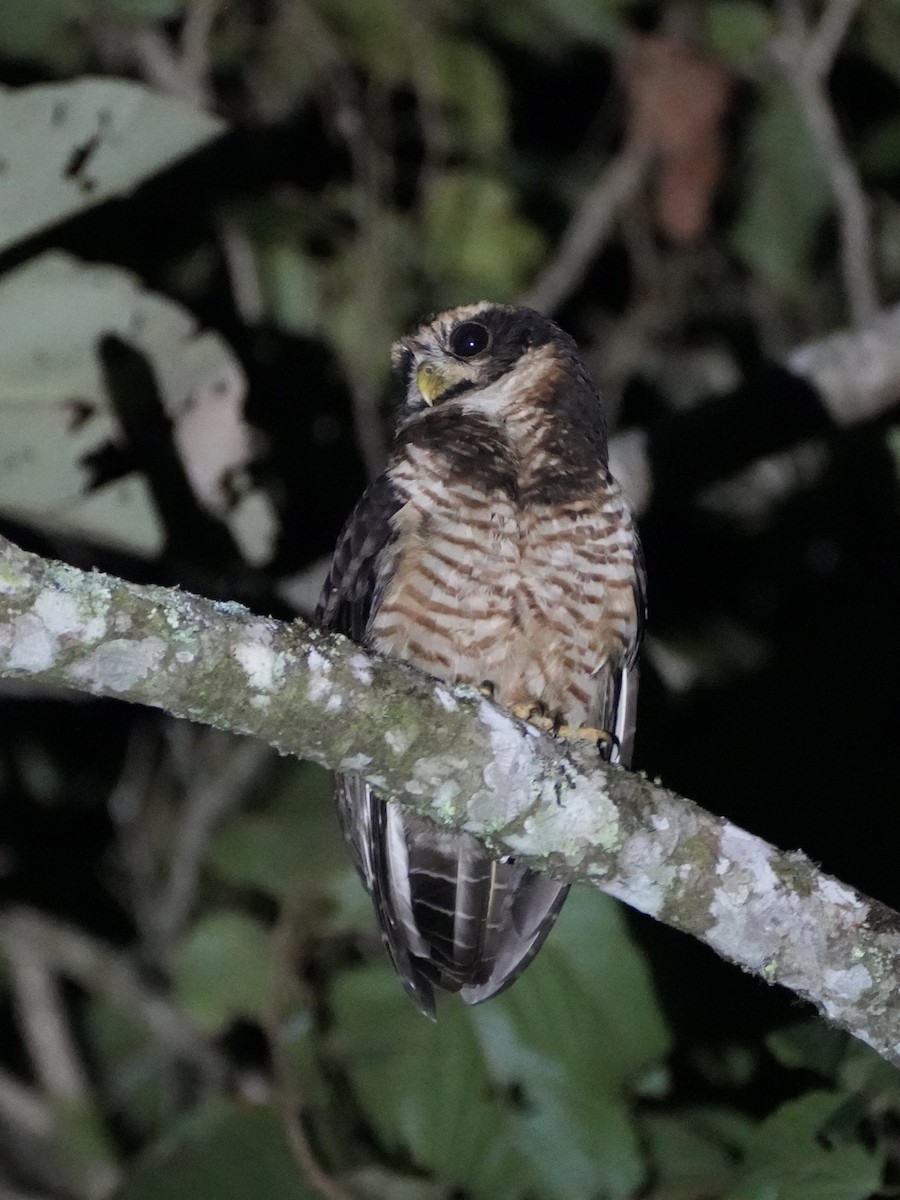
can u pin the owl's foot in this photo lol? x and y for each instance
(605, 741)
(537, 714)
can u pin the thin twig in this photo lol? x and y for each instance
(181, 72)
(54, 1057)
(43, 1024)
(590, 226)
(105, 972)
(825, 40)
(194, 47)
(806, 58)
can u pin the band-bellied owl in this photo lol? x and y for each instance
(495, 548)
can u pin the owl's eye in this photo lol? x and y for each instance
(469, 339)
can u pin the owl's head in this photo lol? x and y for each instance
(470, 348)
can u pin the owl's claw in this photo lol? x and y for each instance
(487, 688)
(605, 741)
(537, 714)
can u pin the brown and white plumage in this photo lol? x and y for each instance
(495, 547)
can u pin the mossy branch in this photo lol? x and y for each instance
(453, 756)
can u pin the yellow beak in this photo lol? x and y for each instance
(431, 382)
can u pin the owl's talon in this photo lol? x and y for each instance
(605, 741)
(487, 687)
(535, 714)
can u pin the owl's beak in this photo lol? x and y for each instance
(435, 379)
(431, 382)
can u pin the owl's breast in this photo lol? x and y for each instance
(535, 599)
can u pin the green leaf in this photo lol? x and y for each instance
(292, 839)
(866, 1073)
(540, 1075)
(469, 85)
(787, 1157)
(65, 147)
(597, 21)
(136, 1077)
(787, 199)
(728, 1066)
(688, 1157)
(424, 1087)
(378, 35)
(737, 30)
(475, 245)
(368, 297)
(223, 970)
(30, 28)
(292, 288)
(809, 1046)
(573, 1072)
(222, 1150)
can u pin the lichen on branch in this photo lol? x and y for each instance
(450, 755)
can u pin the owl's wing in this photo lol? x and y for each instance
(621, 683)
(362, 562)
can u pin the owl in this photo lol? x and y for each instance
(497, 550)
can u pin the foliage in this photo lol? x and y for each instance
(195, 318)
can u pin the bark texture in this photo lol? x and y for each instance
(453, 756)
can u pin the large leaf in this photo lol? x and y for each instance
(789, 1157)
(475, 245)
(470, 88)
(538, 1077)
(425, 1087)
(737, 30)
(55, 410)
(67, 146)
(688, 1153)
(223, 970)
(291, 839)
(221, 1151)
(570, 1039)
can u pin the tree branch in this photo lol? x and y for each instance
(590, 225)
(806, 59)
(452, 756)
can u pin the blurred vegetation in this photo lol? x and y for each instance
(214, 220)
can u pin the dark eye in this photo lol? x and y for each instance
(469, 339)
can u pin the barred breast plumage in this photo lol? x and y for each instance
(496, 548)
